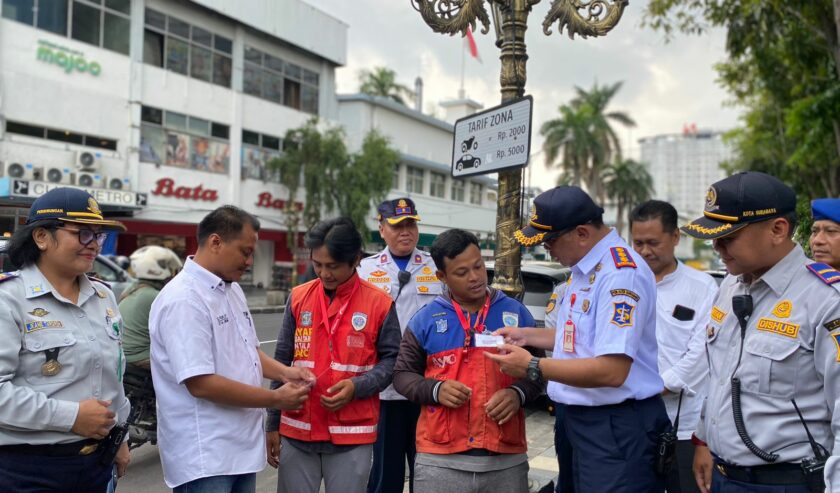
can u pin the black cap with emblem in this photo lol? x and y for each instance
(557, 211)
(739, 200)
(70, 205)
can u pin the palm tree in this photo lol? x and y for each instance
(382, 81)
(627, 182)
(583, 136)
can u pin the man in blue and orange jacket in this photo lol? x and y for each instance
(471, 432)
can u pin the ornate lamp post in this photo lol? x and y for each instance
(510, 20)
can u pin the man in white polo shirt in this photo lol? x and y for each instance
(684, 299)
(208, 368)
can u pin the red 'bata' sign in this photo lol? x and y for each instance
(166, 188)
(265, 199)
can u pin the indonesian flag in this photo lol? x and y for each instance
(472, 46)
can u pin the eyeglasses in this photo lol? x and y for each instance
(86, 236)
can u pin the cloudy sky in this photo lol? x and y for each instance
(666, 85)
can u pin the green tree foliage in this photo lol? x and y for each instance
(783, 68)
(334, 180)
(583, 137)
(627, 182)
(382, 81)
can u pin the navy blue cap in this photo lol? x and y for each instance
(70, 205)
(823, 209)
(740, 200)
(557, 211)
(397, 210)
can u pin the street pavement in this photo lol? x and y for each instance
(144, 474)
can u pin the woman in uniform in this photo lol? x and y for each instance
(61, 359)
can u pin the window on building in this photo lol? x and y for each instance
(258, 151)
(475, 193)
(183, 141)
(269, 77)
(414, 180)
(105, 25)
(457, 190)
(437, 185)
(178, 46)
(395, 183)
(20, 128)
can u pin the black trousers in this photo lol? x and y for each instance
(614, 446)
(681, 477)
(395, 443)
(26, 473)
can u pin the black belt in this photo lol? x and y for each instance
(83, 447)
(786, 473)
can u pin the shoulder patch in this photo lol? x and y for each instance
(622, 258)
(5, 276)
(832, 325)
(624, 292)
(825, 272)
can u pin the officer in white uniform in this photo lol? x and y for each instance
(61, 358)
(604, 363)
(408, 275)
(773, 339)
(683, 301)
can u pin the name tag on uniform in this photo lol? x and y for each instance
(569, 337)
(488, 340)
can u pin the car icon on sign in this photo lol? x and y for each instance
(467, 161)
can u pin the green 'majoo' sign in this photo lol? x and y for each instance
(69, 60)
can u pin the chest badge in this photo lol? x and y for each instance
(592, 278)
(598, 267)
(101, 294)
(510, 319)
(783, 309)
(378, 273)
(585, 306)
(427, 270)
(440, 326)
(306, 319)
(359, 320)
(39, 312)
(710, 331)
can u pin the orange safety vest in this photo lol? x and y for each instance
(354, 317)
(442, 430)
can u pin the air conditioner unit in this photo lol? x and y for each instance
(59, 175)
(116, 183)
(90, 180)
(87, 161)
(23, 171)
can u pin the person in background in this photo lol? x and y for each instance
(153, 267)
(61, 360)
(407, 275)
(471, 432)
(684, 299)
(346, 331)
(208, 368)
(825, 232)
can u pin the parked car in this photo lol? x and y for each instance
(539, 279)
(103, 268)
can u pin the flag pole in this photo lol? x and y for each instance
(463, 62)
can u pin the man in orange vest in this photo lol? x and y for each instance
(471, 432)
(346, 331)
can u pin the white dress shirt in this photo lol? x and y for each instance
(200, 325)
(613, 313)
(682, 343)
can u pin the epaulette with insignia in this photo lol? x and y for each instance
(5, 276)
(825, 272)
(94, 278)
(622, 258)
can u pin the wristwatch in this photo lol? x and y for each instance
(534, 373)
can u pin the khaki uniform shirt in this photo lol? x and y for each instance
(39, 409)
(791, 351)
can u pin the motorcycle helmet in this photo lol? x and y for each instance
(155, 263)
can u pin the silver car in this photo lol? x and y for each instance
(539, 279)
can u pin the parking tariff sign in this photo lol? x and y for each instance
(493, 140)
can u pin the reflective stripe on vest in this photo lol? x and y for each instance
(295, 423)
(350, 368)
(302, 363)
(353, 429)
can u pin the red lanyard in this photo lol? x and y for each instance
(325, 318)
(465, 322)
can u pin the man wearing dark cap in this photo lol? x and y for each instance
(825, 232)
(773, 344)
(408, 275)
(604, 363)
